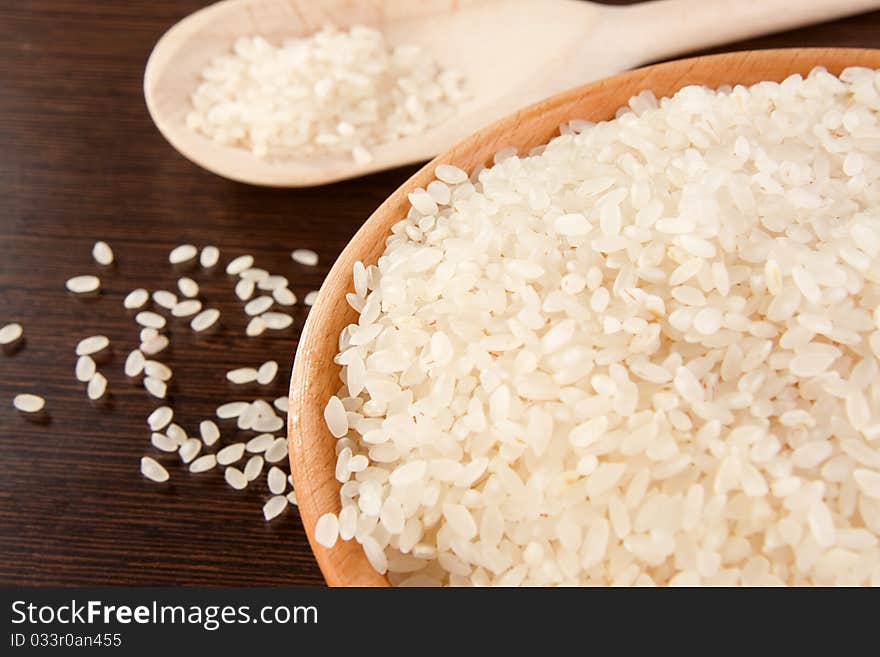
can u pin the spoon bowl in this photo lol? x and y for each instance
(315, 377)
(510, 52)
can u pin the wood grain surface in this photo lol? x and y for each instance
(80, 161)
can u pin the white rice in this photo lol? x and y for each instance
(255, 327)
(92, 345)
(136, 299)
(868, 482)
(209, 257)
(645, 354)
(188, 287)
(284, 296)
(28, 403)
(231, 409)
(254, 274)
(155, 345)
(310, 298)
(450, 175)
(346, 90)
(235, 478)
(275, 321)
(102, 253)
(276, 480)
(167, 436)
(230, 454)
(205, 319)
(153, 470)
(267, 372)
(244, 289)
(163, 443)
(203, 463)
(155, 387)
(253, 467)
(181, 254)
(189, 449)
(242, 375)
(268, 423)
(260, 443)
(149, 319)
(11, 333)
(177, 433)
(327, 530)
(157, 370)
(335, 417)
(273, 282)
(160, 418)
(239, 264)
(165, 299)
(304, 257)
(277, 451)
(83, 284)
(258, 305)
(209, 432)
(134, 363)
(187, 308)
(274, 506)
(97, 386)
(85, 369)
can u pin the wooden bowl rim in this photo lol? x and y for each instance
(345, 564)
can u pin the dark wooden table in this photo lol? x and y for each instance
(80, 160)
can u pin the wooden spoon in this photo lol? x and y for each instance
(315, 377)
(512, 52)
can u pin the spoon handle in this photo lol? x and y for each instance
(663, 28)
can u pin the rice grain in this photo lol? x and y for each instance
(153, 470)
(256, 326)
(253, 467)
(165, 299)
(277, 451)
(209, 432)
(102, 253)
(203, 463)
(186, 308)
(28, 403)
(205, 319)
(235, 478)
(136, 299)
(181, 254)
(85, 368)
(92, 345)
(188, 287)
(274, 506)
(239, 264)
(209, 257)
(242, 375)
(11, 333)
(275, 321)
(149, 319)
(160, 418)
(156, 387)
(277, 480)
(83, 284)
(267, 372)
(230, 454)
(97, 386)
(304, 257)
(134, 363)
(163, 443)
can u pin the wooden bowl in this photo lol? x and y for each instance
(316, 378)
